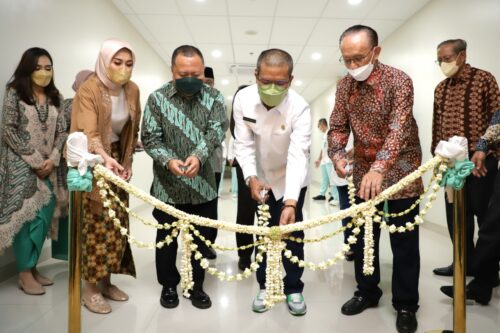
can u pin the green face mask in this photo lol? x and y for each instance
(188, 85)
(271, 94)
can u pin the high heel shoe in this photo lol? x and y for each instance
(37, 290)
(43, 280)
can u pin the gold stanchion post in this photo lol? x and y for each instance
(459, 263)
(74, 287)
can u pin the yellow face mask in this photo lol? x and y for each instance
(119, 77)
(41, 77)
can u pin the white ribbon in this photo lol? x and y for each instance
(78, 155)
(456, 149)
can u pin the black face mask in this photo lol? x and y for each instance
(188, 85)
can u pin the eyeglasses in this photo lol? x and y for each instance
(281, 83)
(354, 60)
(449, 58)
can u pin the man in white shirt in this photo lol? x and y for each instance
(325, 164)
(272, 146)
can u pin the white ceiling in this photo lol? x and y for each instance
(301, 27)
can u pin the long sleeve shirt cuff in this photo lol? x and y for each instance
(379, 166)
(34, 160)
(201, 155)
(248, 170)
(55, 156)
(292, 192)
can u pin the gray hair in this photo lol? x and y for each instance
(275, 58)
(459, 45)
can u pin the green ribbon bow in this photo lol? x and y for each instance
(455, 177)
(79, 183)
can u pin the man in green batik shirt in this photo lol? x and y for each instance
(184, 121)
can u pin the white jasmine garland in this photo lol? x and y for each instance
(273, 247)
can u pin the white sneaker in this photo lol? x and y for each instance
(258, 303)
(296, 304)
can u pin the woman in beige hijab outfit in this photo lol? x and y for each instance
(107, 109)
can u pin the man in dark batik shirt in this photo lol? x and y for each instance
(463, 105)
(487, 253)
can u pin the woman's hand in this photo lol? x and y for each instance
(45, 169)
(114, 166)
(127, 174)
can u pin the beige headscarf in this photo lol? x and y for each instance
(108, 49)
(81, 77)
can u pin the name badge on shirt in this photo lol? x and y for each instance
(250, 120)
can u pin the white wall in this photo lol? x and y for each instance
(412, 48)
(72, 31)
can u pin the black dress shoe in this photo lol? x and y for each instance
(349, 256)
(481, 295)
(200, 299)
(444, 271)
(244, 263)
(357, 304)
(448, 271)
(406, 321)
(169, 298)
(319, 197)
(210, 253)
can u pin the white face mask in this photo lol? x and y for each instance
(362, 73)
(449, 68)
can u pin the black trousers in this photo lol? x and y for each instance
(344, 204)
(245, 213)
(166, 269)
(487, 252)
(477, 196)
(405, 262)
(212, 232)
(292, 281)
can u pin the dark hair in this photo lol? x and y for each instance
(459, 45)
(21, 80)
(231, 120)
(275, 57)
(372, 34)
(323, 122)
(187, 51)
(209, 73)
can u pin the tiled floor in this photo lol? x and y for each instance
(325, 292)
